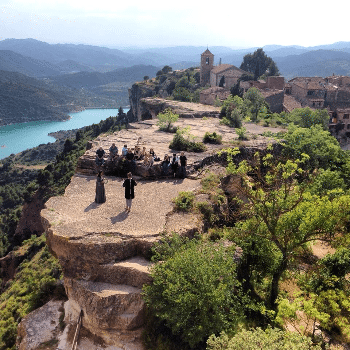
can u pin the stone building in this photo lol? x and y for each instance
(222, 75)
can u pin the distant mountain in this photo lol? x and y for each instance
(56, 53)
(70, 66)
(15, 62)
(24, 99)
(90, 80)
(320, 63)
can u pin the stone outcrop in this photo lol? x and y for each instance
(103, 250)
(146, 134)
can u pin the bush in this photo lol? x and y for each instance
(212, 138)
(184, 201)
(242, 133)
(180, 143)
(270, 339)
(196, 292)
(166, 120)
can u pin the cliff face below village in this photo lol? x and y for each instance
(103, 250)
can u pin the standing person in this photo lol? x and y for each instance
(174, 164)
(100, 196)
(129, 185)
(183, 163)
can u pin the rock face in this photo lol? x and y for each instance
(103, 250)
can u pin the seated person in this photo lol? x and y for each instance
(143, 153)
(131, 160)
(148, 160)
(99, 157)
(124, 150)
(165, 165)
(137, 152)
(155, 158)
(113, 152)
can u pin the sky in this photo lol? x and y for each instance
(150, 23)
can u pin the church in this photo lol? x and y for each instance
(222, 75)
(219, 79)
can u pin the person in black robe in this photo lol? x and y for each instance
(129, 185)
(174, 164)
(100, 189)
(183, 163)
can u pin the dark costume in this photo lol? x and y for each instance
(129, 185)
(174, 165)
(100, 190)
(183, 163)
(165, 166)
(99, 157)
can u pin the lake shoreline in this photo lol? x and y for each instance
(16, 138)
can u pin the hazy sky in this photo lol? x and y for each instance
(182, 22)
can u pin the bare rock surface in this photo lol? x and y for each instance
(40, 326)
(147, 134)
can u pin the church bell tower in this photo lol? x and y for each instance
(207, 64)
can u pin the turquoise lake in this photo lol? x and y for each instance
(16, 138)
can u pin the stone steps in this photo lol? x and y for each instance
(133, 272)
(106, 305)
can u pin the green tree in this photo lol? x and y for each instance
(280, 210)
(269, 339)
(322, 148)
(233, 111)
(236, 90)
(254, 101)
(167, 119)
(167, 69)
(196, 291)
(306, 117)
(259, 64)
(146, 77)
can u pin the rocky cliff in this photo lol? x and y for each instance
(103, 250)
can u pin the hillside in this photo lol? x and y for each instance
(319, 63)
(24, 99)
(15, 62)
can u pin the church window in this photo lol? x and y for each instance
(207, 60)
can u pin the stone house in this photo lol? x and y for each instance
(209, 96)
(222, 75)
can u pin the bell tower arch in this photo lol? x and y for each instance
(207, 64)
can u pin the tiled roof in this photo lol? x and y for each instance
(223, 67)
(207, 52)
(290, 103)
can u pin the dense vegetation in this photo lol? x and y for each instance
(273, 206)
(37, 277)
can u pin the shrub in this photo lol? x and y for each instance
(212, 138)
(180, 143)
(242, 133)
(270, 339)
(166, 120)
(196, 292)
(184, 201)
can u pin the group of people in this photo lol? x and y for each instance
(129, 154)
(171, 165)
(174, 166)
(129, 185)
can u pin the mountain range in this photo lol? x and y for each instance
(40, 59)
(46, 81)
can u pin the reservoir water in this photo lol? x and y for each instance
(16, 138)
